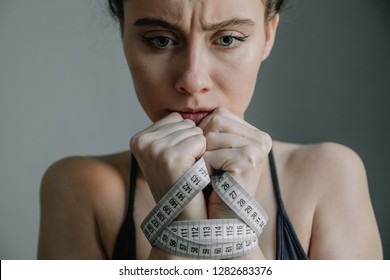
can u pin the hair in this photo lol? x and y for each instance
(272, 7)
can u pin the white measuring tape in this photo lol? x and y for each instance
(206, 239)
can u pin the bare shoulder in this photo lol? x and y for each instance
(323, 168)
(331, 171)
(88, 170)
(90, 179)
(78, 196)
(319, 153)
(333, 178)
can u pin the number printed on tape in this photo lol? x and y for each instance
(206, 239)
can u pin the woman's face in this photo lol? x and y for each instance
(192, 56)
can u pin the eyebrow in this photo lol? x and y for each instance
(229, 22)
(154, 22)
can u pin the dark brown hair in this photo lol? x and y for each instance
(272, 7)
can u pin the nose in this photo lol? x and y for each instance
(194, 71)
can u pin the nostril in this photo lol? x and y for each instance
(194, 84)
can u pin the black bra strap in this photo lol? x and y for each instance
(125, 246)
(288, 246)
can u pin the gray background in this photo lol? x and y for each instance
(65, 89)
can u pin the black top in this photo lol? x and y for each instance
(288, 246)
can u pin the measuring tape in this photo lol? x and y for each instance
(209, 238)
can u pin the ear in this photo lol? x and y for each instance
(270, 34)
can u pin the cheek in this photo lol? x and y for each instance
(238, 79)
(147, 84)
(141, 70)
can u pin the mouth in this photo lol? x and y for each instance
(196, 116)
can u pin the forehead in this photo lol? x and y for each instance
(183, 12)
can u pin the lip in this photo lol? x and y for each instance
(197, 116)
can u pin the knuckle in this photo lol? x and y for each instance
(197, 130)
(156, 148)
(196, 139)
(152, 148)
(201, 138)
(216, 120)
(197, 143)
(189, 123)
(210, 135)
(266, 142)
(175, 116)
(221, 110)
(135, 142)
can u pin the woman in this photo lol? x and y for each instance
(194, 66)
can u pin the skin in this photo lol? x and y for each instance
(194, 65)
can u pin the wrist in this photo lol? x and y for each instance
(195, 210)
(218, 209)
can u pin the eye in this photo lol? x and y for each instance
(225, 41)
(230, 41)
(160, 42)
